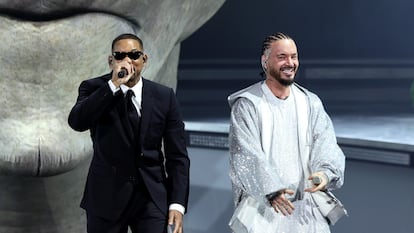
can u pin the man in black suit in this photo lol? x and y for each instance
(131, 182)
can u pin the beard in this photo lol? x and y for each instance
(276, 74)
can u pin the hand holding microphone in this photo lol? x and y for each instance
(123, 72)
(319, 181)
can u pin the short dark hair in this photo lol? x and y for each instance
(127, 36)
(274, 37)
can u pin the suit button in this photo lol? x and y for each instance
(142, 154)
(131, 178)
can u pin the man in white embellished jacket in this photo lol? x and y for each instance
(280, 139)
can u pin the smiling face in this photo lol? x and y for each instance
(281, 61)
(50, 46)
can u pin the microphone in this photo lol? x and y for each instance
(122, 73)
(316, 180)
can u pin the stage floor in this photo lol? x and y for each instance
(380, 138)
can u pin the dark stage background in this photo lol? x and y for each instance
(358, 56)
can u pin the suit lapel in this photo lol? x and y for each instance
(146, 107)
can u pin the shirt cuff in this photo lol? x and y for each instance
(332, 179)
(178, 207)
(113, 87)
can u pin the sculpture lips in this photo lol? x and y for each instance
(48, 10)
(45, 63)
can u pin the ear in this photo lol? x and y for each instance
(264, 63)
(144, 58)
(110, 61)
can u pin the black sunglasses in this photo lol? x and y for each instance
(134, 55)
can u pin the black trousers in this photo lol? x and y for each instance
(141, 216)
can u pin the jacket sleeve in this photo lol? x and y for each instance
(177, 162)
(94, 98)
(326, 155)
(249, 169)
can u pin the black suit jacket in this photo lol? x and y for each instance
(116, 161)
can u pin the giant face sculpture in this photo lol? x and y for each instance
(48, 47)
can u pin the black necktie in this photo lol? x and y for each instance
(132, 112)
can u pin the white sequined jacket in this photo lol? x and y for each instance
(250, 172)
